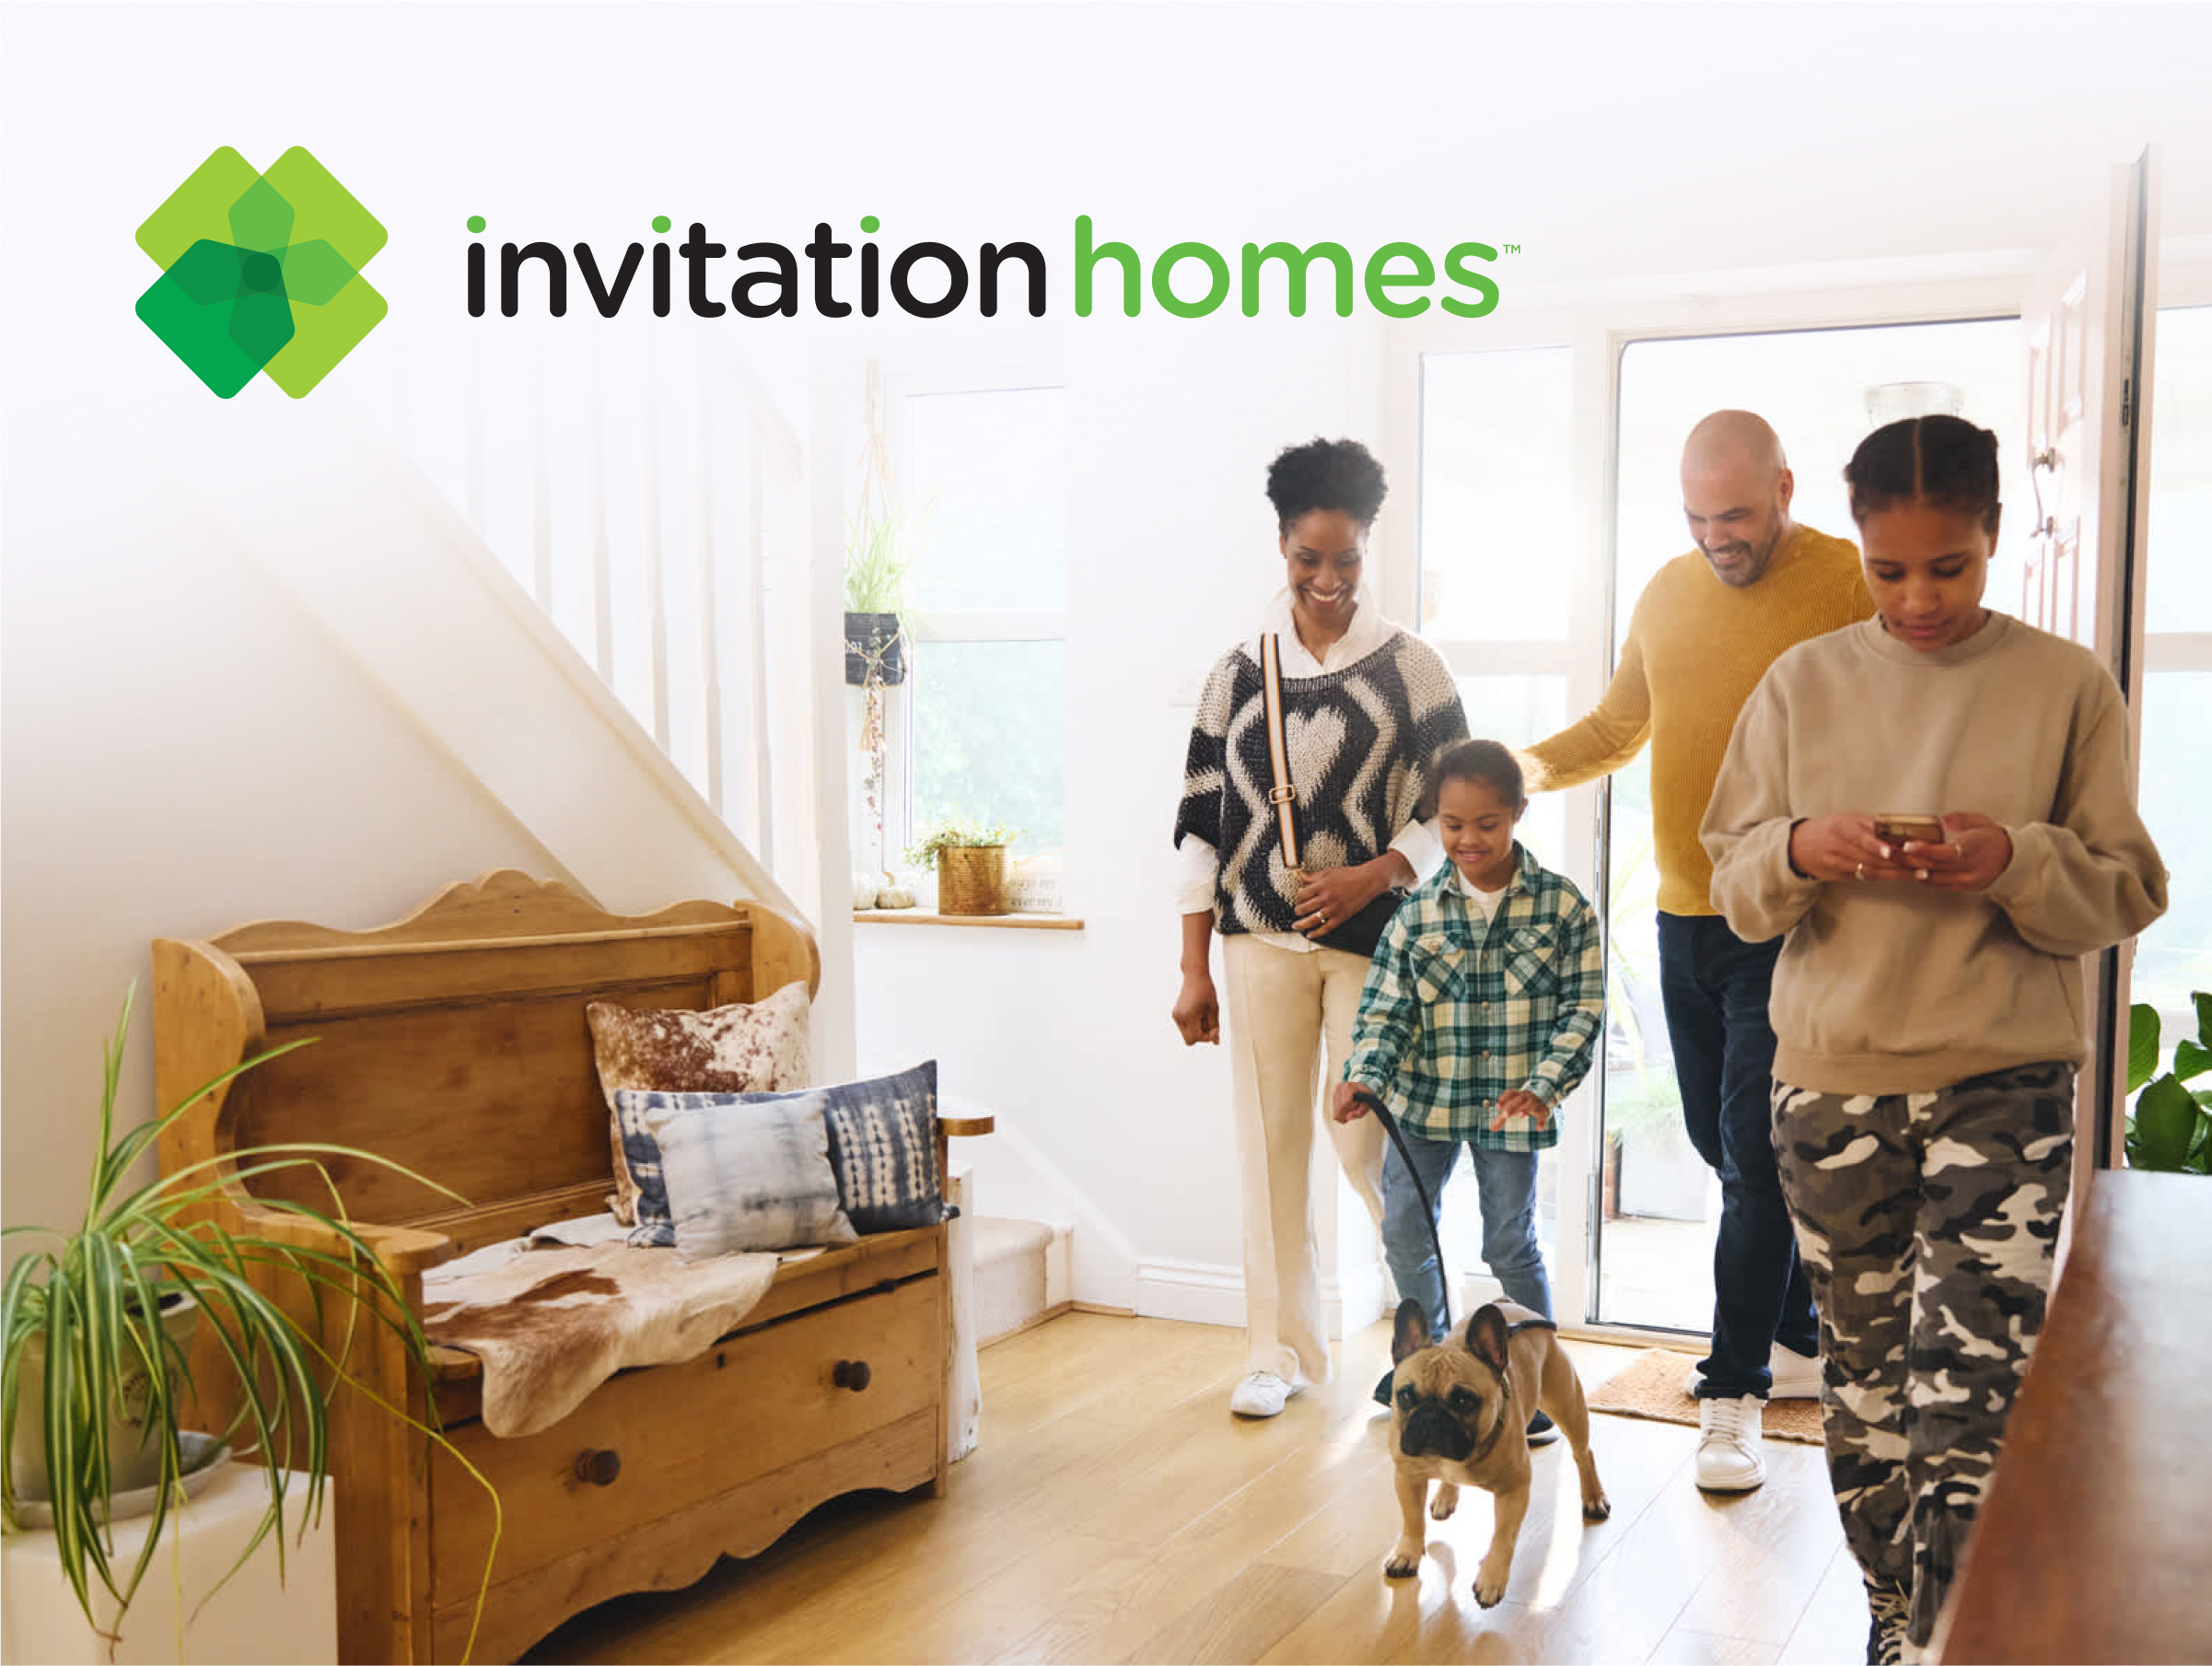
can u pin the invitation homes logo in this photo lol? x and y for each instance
(261, 272)
(930, 279)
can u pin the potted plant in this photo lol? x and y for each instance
(96, 1376)
(2170, 1127)
(879, 556)
(970, 859)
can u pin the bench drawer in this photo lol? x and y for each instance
(650, 1443)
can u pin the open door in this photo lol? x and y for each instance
(2090, 319)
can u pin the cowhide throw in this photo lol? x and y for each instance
(553, 1325)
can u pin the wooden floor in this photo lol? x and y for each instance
(1116, 1511)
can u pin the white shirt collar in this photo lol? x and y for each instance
(1471, 891)
(1468, 888)
(1367, 632)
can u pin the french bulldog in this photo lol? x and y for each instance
(1460, 1417)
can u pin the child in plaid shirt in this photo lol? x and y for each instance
(1480, 1014)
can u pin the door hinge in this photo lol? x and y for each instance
(2127, 400)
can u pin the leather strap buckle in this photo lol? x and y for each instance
(1283, 794)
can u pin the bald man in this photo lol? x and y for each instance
(1704, 631)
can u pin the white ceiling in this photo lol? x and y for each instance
(1609, 141)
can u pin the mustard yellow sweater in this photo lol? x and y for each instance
(1696, 648)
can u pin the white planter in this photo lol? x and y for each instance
(133, 1466)
(254, 1618)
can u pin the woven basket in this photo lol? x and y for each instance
(971, 878)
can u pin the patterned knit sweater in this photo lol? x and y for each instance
(1361, 740)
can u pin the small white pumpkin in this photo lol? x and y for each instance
(895, 895)
(866, 890)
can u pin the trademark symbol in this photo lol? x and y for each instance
(1510, 248)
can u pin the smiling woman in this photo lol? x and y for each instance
(1311, 747)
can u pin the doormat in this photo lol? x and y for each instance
(1652, 1387)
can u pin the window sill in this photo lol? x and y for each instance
(1002, 922)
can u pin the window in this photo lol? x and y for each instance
(2174, 956)
(979, 732)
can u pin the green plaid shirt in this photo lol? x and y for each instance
(1457, 1010)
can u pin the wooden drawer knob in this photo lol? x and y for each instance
(598, 1468)
(850, 1374)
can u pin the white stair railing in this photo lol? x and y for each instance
(645, 487)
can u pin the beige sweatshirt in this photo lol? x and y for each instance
(1891, 987)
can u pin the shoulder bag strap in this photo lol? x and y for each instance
(1281, 795)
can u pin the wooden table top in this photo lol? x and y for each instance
(2095, 1542)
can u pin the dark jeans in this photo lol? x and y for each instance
(1714, 985)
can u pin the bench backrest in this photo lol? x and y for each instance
(453, 1043)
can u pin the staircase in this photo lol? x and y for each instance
(1019, 1271)
(652, 498)
(1021, 1275)
(659, 511)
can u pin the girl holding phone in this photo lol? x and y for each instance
(1927, 1003)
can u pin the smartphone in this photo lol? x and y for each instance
(1897, 826)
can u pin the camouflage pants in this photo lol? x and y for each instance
(1927, 1222)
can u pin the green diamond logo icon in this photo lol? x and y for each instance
(261, 272)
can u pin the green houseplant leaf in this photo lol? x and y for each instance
(2191, 1059)
(959, 835)
(2165, 1123)
(86, 1304)
(880, 548)
(2142, 1045)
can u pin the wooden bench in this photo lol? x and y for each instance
(454, 1042)
(2096, 1537)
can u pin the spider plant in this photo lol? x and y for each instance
(90, 1300)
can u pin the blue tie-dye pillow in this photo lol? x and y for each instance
(882, 1140)
(749, 1177)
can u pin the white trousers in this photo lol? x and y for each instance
(1283, 1005)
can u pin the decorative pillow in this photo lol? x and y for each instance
(883, 1135)
(746, 1176)
(883, 1141)
(741, 1048)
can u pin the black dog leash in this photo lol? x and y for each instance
(1390, 1127)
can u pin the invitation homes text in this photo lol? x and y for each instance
(932, 279)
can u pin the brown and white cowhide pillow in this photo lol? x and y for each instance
(757, 1047)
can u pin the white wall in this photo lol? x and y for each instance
(184, 751)
(261, 671)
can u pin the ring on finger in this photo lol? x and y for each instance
(1861, 871)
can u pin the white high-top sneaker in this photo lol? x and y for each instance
(1728, 1444)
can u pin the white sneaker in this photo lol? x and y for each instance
(1261, 1394)
(1796, 1377)
(1728, 1444)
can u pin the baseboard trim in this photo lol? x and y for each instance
(1197, 1292)
(1030, 1324)
(1102, 1307)
(1192, 1291)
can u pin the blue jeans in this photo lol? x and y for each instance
(1506, 1184)
(1716, 986)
